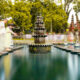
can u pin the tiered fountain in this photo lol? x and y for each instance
(39, 44)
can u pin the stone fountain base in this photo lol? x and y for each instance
(39, 48)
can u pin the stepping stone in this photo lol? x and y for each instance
(13, 49)
(16, 48)
(3, 53)
(72, 50)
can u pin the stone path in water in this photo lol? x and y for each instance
(71, 49)
(13, 49)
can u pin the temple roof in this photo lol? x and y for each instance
(77, 22)
(72, 24)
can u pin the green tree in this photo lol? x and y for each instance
(5, 7)
(21, 15)
(77, 5)
(24, 14)
(67, 6)
(54, 16)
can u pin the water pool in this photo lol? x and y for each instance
(56, 65)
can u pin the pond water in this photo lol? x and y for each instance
(56, 65)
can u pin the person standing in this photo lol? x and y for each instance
(2, 34)
(9, 39)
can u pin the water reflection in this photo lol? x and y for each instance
(57, 65)
(1, 69)
(78, 67)
(5, 67)
(73, 66)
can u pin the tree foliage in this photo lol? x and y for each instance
(67, 6)
(5, 7)
(21, 15)
(24, 14)
(53, 15)
(77, 6)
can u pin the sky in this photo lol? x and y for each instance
(12, 0)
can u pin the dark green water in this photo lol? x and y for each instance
(57, 65)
